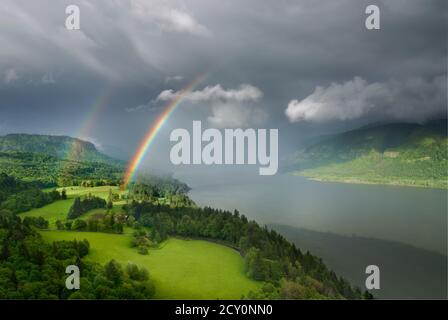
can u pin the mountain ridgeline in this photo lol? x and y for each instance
(397, 153)
(62, 161)
(57, 161)
(63, 147)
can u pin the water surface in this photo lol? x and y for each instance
(415, 216)
(403, 230)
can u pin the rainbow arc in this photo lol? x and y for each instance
(154, 129)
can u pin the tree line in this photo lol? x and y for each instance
(19, 196)
(110, 222)
(288, 272)
(81, 206)
(33, 269)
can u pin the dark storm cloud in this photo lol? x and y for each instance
(412, 100)
(139, 49)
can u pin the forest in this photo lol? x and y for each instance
(33, 269)
(155, 210)
(285, 271)
(18, 196)
(395, 153)
(269, 257)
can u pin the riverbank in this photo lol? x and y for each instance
(372, 180)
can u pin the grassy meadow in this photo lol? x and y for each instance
(54, 211)
(58, 210)
(180, 269)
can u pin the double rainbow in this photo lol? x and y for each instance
(85, 129)
(154, 129)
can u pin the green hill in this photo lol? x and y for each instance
(57, 160)
(62, 147)
(180, 269)
(396, 153)
(194, 253)
(50, 171)
(65, 161)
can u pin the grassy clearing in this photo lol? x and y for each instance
(58, 210)
(181, 269)
(54, 211)
(102, 192)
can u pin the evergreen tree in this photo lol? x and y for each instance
(113, 272)
(76, 209)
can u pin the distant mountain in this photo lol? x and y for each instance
(65, 161)
(394, 153)
(62, 147)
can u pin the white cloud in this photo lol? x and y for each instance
(168, 17)
(412, 99)
(183, 22)
(229, 108)
(115, 36)
(245, 92)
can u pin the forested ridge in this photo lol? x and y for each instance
(51, 171)
(55, 146)
(395, 153)
(33, 269)
(19, 196)
(288, 272)
(155, 208)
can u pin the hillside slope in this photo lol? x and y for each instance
(65, 161)
(397, 153)
(62, 147)
(52, 171)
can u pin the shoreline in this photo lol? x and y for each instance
(364, 181)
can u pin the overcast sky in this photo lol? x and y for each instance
(304, 67)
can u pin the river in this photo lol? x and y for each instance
(413, 217)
